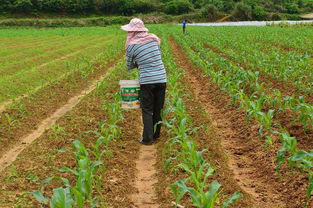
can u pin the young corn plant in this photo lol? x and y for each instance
(184, 151)
(11, 120)
(228, 74)
(306, 115)
(73, 196)
(266, 122)
(101, 147)
(289, 145)
(304, 160)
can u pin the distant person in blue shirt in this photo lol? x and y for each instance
(184, 26)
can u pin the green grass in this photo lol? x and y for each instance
(32, 57)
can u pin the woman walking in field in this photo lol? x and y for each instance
(143, 52)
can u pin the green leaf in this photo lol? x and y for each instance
(185, 167)
(301, 154)
(168, 163)
(39, 197)
(234, 198)
(179, 188)
(61, 198)
(69, 170)
(214, 186)
(79, 198)
(95, 164)
(62, 150)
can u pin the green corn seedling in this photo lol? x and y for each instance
(289, 144)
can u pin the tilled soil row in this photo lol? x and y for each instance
(31, 52)
(283, 48)
(5, 104)
(269, 81)
(289, 48)
(54, 54)
(206, 138)
(42, 104)
(146, 179)
(43, 158)
(11, 155)
(285, 118)
(253, 166)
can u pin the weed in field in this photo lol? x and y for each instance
(56, 131)
(12, 174)
(32, 177)
(11, 121)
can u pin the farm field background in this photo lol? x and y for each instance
(244, 94)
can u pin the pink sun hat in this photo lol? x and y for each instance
(135, 25)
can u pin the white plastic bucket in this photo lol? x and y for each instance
(130, 91)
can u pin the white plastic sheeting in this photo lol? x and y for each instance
(250, 23)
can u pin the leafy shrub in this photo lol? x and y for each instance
(190, 17)
(292, 17)
(78, 5)
(23, 5)
(292, 8)
(144, 6)
(130, 7)
(126, 7)
(242, 11)
(274, 16)
(5, 4)
(309, 5)
(53, 5)
(258, 13)
(209, 12)
(178, 7)
(228, 6)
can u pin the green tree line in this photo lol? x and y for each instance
(247, 9)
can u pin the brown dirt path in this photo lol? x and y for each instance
(145, 180)
(145, 197)
(12, 154)
(238, 139)
(308, 16)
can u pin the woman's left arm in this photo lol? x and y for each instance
(130, 61)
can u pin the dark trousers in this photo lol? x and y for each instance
(151, 101)
(184, 29)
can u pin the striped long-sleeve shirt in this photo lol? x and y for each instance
(147, 56)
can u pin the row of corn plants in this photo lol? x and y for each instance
(183, 151)
(232, 79)
(30, 63)
(54, 69)
(249, 78)
(84, 190)
(248, 87)
(18, 52)
(293, 67)
(82, 67)
(23, 69)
